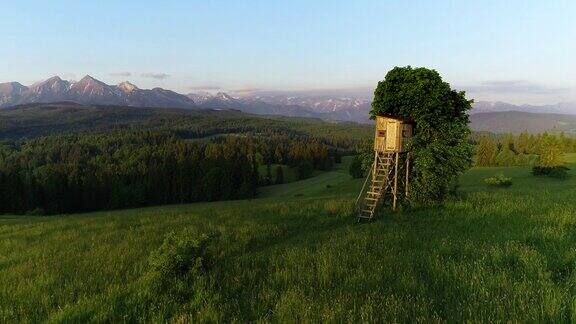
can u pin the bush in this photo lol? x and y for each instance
(179, 264)
(558, 172)
(498, 181)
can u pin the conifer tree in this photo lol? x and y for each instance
(486, 151)
(551, 153)
(279, 175)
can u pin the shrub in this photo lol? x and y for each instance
(179, 264)
(558, 172)
(498, 180)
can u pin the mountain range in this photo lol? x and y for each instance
(94, 92)
(324, 107)
(519, 121)
(490, 116)
(565, 108)
(90, 91)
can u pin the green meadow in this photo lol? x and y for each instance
(297, 254)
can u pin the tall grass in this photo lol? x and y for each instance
(488, 255)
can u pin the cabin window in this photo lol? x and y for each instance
(404, 133)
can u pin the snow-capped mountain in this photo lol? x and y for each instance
(90, 91)
(327, 106)
(321, 104)
(565, 108)
(11, 91)
(46, 91)
(200, 97)
(333, 108)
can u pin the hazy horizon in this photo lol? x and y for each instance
(518, 52)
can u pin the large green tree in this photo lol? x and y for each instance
(440, 147)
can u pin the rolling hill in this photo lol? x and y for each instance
(33, 120)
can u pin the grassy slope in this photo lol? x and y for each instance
(336, 183)
(489, 255)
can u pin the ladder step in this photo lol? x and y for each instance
(369, 198)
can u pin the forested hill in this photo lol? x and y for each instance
(35, 120)
(63, 158)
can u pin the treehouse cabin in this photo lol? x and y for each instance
(391, 134)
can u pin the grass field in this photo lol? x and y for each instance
(297, 254)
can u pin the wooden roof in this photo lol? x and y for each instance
(396, 118)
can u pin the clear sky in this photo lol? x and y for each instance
(517, 51)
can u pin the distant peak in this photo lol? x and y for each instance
(90, 81)
(54, 79)
(88, 78)
(223, 95)
(12, 84)
(127, 86)
(53, 82)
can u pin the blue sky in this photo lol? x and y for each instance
(517, 51)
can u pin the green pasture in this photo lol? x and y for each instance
(296, 254)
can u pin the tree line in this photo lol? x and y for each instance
(86, 172)
(523, 149)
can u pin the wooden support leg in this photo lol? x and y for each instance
(407, 183)
(395, 188)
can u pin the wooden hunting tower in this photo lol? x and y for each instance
(391, 169)
(391, 134)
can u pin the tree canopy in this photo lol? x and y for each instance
(440, 147)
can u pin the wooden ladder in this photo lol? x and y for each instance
(379, 179)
